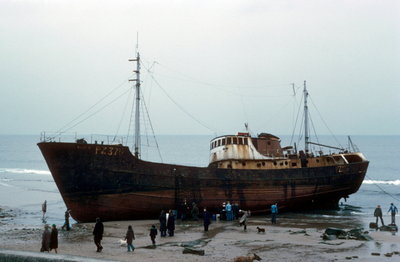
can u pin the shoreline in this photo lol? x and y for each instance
(292, 239)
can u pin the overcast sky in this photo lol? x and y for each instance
(223, 63)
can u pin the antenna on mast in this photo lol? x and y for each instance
(306, 135)
(137, 42)
(137, 104)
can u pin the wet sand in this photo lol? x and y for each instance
(292, 239)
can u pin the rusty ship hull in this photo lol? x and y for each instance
(108, 181)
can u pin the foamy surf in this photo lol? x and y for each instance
(24, 171)
(382, 182)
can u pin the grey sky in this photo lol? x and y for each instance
(224, 62)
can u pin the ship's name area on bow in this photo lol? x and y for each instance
(108, 150)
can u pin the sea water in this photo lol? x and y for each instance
(26, 182)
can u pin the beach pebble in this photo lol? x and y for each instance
(375, 254)
(388, 254)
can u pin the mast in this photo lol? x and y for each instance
(306, 135)
(137, 109)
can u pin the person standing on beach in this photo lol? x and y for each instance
(46, 238)
(243, 219)
(54, 238)
(195, 212)
(235, 210)
(129, 237)
(163, 224)
(171, 223)
(98, 234)
(66, 223)
(378, 214)
(153, 234)
(393, 211)
(44, 208)
(274, 212)
(229, 211)
(206, 219)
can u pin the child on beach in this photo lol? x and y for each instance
(130, 236)
(153, 234)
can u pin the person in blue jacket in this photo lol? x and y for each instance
(274, 212)
(229, 211)
(393, 211)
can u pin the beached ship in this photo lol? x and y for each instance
(111, 182)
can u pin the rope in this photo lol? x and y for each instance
(97, 111)
(323, 121)
(178, 105)
(297, 118)
(63, 130)
(152, 130)
(384, 191)
(123, 115)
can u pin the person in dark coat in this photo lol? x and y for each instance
(206, 219)
(66, 223)
(378, 214)
(171, 224)
(195, 212)
(46, 238)
(130, 236)
(163, 224)
(153, 234)
(235, 209)
(98, 234)
(54, 238)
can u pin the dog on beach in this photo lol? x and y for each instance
(261, 230)
(122, 243)
(247, 259)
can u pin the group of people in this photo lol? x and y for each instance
(392, 210)
(49, 239)
(229, 211)
(167, 222)
(98, 232)
(186, 212)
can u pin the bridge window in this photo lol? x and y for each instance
(219, 142)
(229, 141)
(240, 141)
(246, 141)
(223, 141)
(235, 141)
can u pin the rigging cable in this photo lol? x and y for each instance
(63, 129)
(152, 130)
(185, 77)
(383, 190)
(98, 110)
(323, 121)
(315, 133)
(123, 115)
(130, 120)
(297, 118)
(178, 105)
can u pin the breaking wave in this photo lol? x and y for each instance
(6, 185)
(382, 182)
(24, 171)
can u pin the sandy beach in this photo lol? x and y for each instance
(290, 240)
